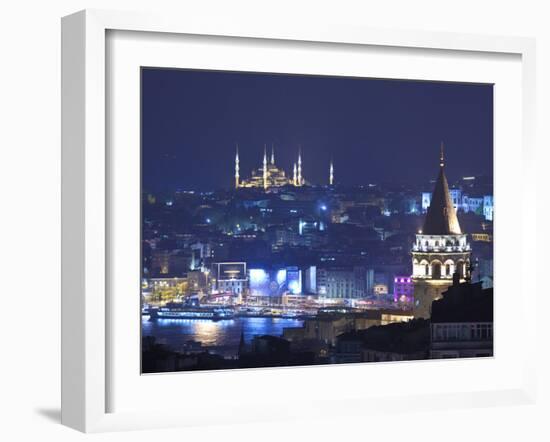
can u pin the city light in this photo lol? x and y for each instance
(271, 263)
(258, 276)
(294, 287)
(281, 276)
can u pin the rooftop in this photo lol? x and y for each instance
(464, 302)
(441, 218)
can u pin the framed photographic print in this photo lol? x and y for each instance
(310, 265)
(299, 219)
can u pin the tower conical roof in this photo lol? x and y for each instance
(441, 218)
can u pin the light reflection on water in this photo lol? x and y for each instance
(220, 336)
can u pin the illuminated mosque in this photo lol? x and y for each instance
(268, 175)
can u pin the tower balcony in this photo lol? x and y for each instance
(441, 243)
(446, 249)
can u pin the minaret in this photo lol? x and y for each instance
(272, 154)
(237, 166)
(331, 174)
(295, 179)
(265, 167)
(441, 249)
(300, 166)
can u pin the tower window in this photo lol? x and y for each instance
(460, 268)
(436, 270)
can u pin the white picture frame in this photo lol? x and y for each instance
(85, 206)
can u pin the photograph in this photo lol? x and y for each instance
(245, 220)
(299, 220)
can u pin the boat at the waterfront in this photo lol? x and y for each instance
(192, 312)
(273, 312)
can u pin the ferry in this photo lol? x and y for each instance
(189, 312)
(259, 312)
(146, 309)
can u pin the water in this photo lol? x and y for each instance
(220, 337)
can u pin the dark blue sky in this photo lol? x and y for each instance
(376, 130)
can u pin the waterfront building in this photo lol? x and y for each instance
(164, 289)
(310, 280)
(166, 283)
(275, 283)
(341, 282)
(229, 277)
(440, 250)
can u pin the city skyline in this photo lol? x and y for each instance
(263, 250)
(379, 131)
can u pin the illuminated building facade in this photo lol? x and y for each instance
(440, 249)
(275, 283)
(341, 282)
(164, 289)
(403, 289)
(380, 289)
(230, 277)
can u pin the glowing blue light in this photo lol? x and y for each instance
(281, 276)
(294, 287)
(258, 276)
(208, 220)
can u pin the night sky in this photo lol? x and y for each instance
(375, 130)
